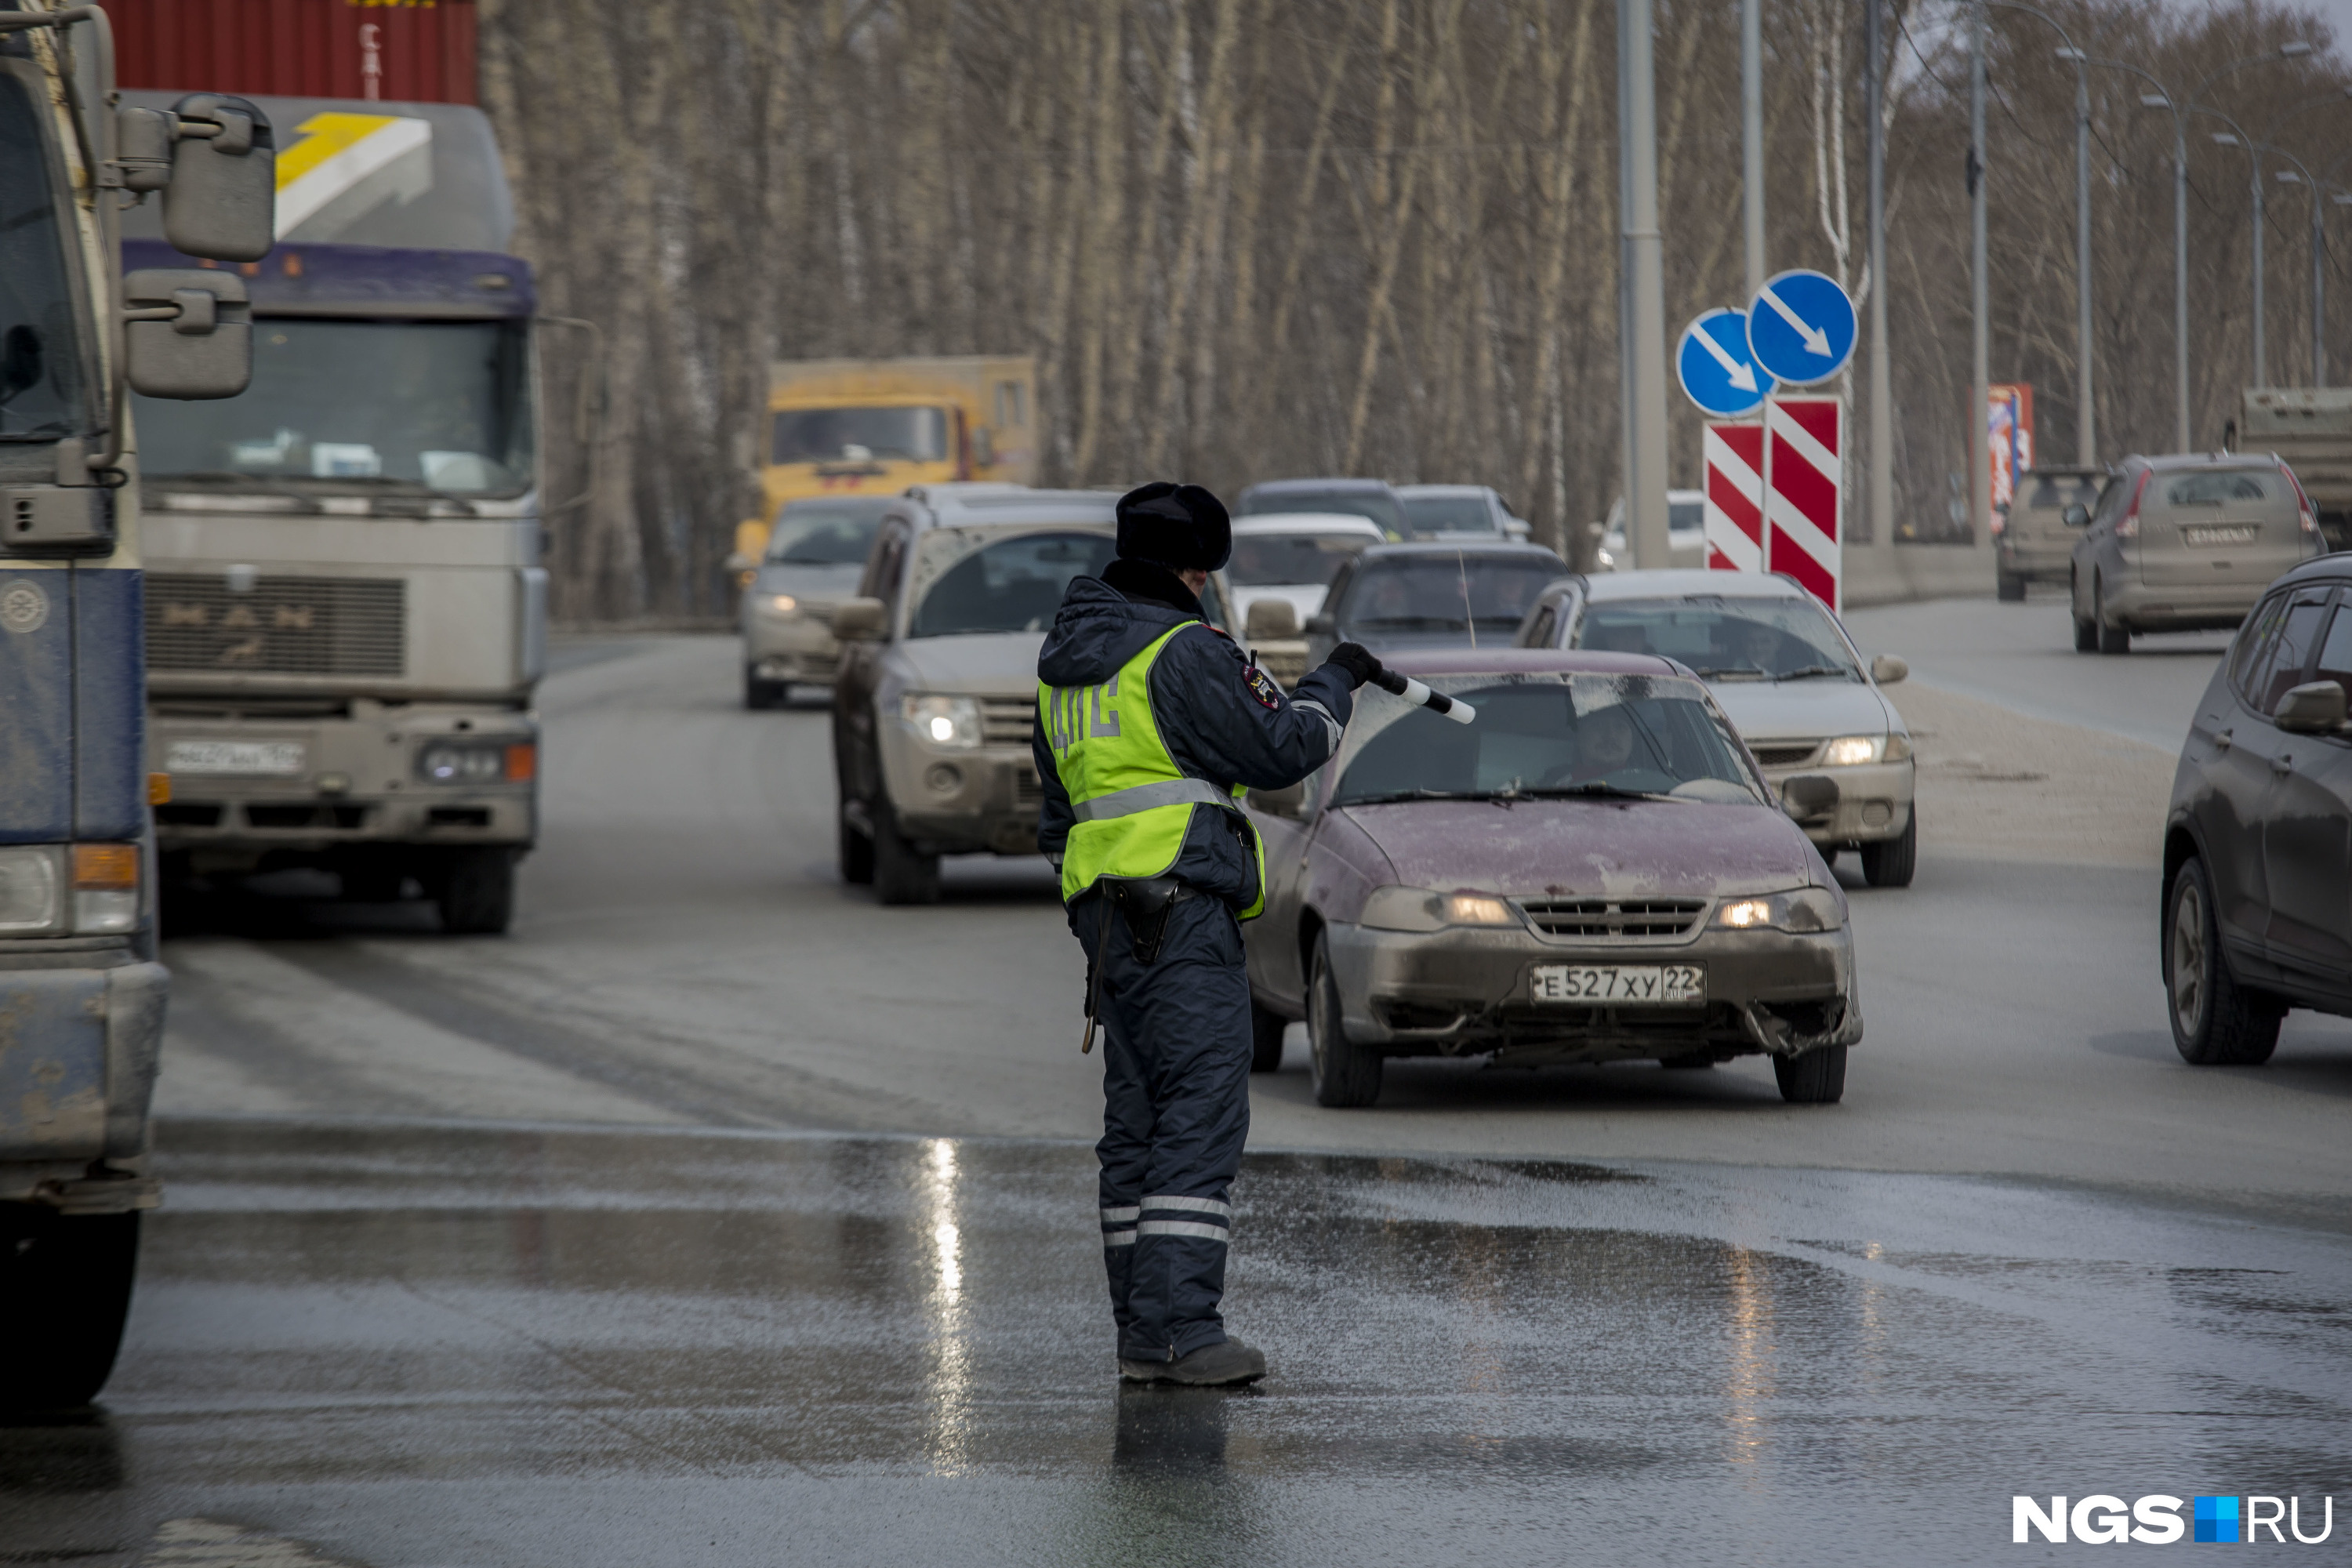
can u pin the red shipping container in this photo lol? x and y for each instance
(408, 51)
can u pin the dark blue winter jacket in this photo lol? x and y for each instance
(1218, 723)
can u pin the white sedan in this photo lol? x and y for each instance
(1293, 556)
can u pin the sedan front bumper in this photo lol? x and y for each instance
(1469, 990)
(798, 646)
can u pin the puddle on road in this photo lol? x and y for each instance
(396, 1341)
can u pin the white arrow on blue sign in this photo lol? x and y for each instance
(1801, 327)
(1715, 368)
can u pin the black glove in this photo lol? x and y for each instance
(1358, 661)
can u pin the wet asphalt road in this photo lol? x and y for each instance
(436, 1344)
(625, 1239)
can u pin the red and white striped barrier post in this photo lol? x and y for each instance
(1804, 494)
(1733, 453)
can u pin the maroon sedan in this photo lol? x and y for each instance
(1594, 870)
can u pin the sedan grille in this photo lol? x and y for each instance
(1786, 754)
(1007, 720)
(1613, 917)
(281, 625)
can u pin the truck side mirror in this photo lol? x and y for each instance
(187, 333)
(2314, 709)
(222, 200)
(2076, 514)
(861, 620)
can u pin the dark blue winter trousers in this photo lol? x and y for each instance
(1175, 1115)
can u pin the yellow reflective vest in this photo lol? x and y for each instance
(1132, 803)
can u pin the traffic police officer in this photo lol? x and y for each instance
(1150, 726)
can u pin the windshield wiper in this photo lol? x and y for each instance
(1388, 795)
(1595, 789)
(1708, 673)
(1810, 671)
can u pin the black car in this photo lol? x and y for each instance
(2258, 841)
(1440, 594)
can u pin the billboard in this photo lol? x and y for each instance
(2009, 428)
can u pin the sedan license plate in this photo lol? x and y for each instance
(277, 759)
(2218, 533)
(1652, 985)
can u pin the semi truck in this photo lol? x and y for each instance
(346, 613)
(82, 993)
(2310, 429)
(874, 426)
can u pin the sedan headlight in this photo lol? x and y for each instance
(952, 722)
(1852, 751)
(1805, 909)
(1418, 909)
(31, 890)
(779, 603)
(445, 762)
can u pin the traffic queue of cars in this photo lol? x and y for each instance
(1627, 856)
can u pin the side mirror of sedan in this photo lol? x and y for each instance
(1808, 797)
(1286, 803)
(1886, 669)
(861, 620)
(2076, 514)
(2315, 709)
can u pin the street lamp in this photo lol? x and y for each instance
(2236, 137)
(2289, 51)
(2301, 176)
(2086, 442)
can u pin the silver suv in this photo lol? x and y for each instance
(2185, 543)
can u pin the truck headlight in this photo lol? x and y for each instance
(444, 762)
(31, 890)
(1805, 909)
(951, 722)
(1418, 909)
(105, 889)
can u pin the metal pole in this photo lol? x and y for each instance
(1980, 345)
(1881, 397)
(2318, 292)
(1645, 363)
(2180, 277)
(1627, 416)
(2261, 358)
(2086, 443)
(1751, 126)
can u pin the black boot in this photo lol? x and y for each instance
(1229, 1360)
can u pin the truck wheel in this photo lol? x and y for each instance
(2008, 586)
(2216, 1021)
(1890, 862)
(1817, 1077)
(1265, 1039)
(475, 893)
(2112, 639)
(1345, 1073)
(856, 852)
(902, 875)
(65, 1288)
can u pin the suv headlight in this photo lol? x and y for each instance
(1805, 909)
(952, 722)
(1418, 909)
(1852, 751)
(32, 898)
(449, 763)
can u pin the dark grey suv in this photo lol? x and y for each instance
(2258, 842)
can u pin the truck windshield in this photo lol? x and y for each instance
(432, 405)
(40, 353)
(972, 583)
(859, 435)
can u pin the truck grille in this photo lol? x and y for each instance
(1786, 754)
(1613, 917)
(282, 626)
(1007, 720)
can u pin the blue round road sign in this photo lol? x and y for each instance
(1717, 373)
(1801, 327)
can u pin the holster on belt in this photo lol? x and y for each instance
(1144, 904)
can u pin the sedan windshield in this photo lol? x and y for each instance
(1291, 559)
(1447, 514)
(1724, 638)
(436, 405)
(972, 580)
(1445, 591)
(1542, 735)
(822, 533)
(859, 435)
(1371, 504)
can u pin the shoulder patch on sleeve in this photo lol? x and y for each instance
(1262, 687)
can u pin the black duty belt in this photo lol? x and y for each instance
(1144, 905)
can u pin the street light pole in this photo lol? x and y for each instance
(1980, 343)
(2086, 446)
(1882, 395)
(2301, 175)
(1751, 132)
(2237, 137)
(1645, 356)
(2283, 52)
